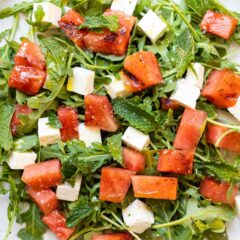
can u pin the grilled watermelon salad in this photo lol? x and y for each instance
(120, 119)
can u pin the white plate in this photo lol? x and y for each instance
(233, 228)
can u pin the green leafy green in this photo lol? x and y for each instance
(223, 171)
(20, 7)
(136, 116)
(4, 34)
(78, 212)
(35, 228)
(26, 143)
(97, 24)
(6, 140)
(182, 51)
(114, 145)
(199, 7)
(53, 120)
(39, 14)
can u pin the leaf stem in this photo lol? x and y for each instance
(179, 12)
(12, 34)
(222, 136)
(233, 127)
(173, 223)
(86, 230)
(12, 220)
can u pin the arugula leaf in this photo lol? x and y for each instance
(194, 212)
(216, 236)
(35, 228)
(114, 145)
(6, 140)
(136, 116)
(4, 34)
(26, 143)
(209, 108)
(21, 7)
(182, 51)
(199, 7)
(98, 24)
(206, 213)
(53, 120)
(141, 5)
(52, 151)
(78, 212)
(39, 14)
(56, 58)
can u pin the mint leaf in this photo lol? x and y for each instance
(182, 51)
(78, 212)
(222, 171)
(134, 115)
(35, 228)
(114, 145)
(98, 24)
(6, 140)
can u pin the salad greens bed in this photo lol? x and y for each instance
(189, 217)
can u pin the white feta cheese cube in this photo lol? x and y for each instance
(82, 81)
(233, 230)
(68, 192)
(195, 74)
(186, 94)
(138, 216)
(116, 88)
(52, 13)
(235, 110)
(237, 204)
(233, 53)
(47, 135)
(152, 25)
(89, 135)
(135, 139)
(126, 6)
(19, 160)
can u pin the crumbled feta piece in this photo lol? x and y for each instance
(233, 230)
(235, 110)
(233, 53)
(135, 139)
(19, 160)
(126, 6)
(186, 94)
(68, 192)
(89, 135)
(116, 88)
(47, 135)
(152, 25)
(52, 13)
(195, 74)
(138, 216)
(237, 204)
(82, 81)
